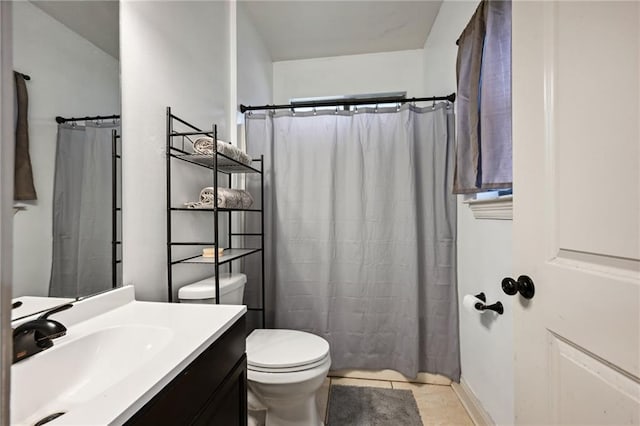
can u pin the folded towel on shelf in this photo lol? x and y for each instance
(228, 198)
(204, 145)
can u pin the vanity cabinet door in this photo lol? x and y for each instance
(213, 387)
(228, 406)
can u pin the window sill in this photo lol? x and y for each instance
(500, 208)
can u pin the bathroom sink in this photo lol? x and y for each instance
(77, 370)
(118, 353)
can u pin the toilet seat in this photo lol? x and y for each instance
(285, 351)
(287, 369)
(288, 378)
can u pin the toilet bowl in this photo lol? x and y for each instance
(285, 368)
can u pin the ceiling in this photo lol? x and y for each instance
(96, 21)
(299, 29)
(291, 29)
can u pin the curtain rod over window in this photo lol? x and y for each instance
(61, 120)
(349, 102)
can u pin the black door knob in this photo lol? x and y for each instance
(524, 285)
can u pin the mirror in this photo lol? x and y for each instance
(67, 240)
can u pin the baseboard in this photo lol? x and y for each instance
(392, 376)
(471, 403)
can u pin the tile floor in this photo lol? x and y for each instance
(438, 404)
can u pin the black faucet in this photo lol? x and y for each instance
(35, 336)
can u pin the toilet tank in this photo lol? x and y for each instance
(204, 291)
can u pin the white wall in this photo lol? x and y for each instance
(255, 68)
(347, 75)
(484, 248)
(70, 77)
(6, 199)
(174, 54)
(254, 87)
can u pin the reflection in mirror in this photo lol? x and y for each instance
(67, 220)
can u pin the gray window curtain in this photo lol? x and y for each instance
(81, 263)
(483, 69)
(361, 233)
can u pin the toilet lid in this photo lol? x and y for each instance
(278, 349)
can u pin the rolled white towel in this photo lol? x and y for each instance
(227, 198)
(204, 145)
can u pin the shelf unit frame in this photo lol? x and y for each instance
(115, 210)
(217, 163)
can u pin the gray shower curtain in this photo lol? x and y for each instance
(361, 233)
(81, 263)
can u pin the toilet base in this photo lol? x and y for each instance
(304, 413)
(257, 418)
(298, 410)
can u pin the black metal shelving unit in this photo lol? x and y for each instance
(116, 210)
(178, 148)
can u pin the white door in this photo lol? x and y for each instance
(576, 138)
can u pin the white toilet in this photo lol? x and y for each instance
(204, 291)
(285, 367)
(285, 370)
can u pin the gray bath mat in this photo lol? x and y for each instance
(364, 406)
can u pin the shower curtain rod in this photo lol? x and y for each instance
(349, 102)
(61, 120)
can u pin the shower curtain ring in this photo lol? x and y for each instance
(398, 106)
(356, 109)
(336, 110)
(376, 108)
(293, 112)
(314, 111)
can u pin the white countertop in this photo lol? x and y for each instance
(35, 304)
(192, 327)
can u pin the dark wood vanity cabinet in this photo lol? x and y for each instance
(212, 390)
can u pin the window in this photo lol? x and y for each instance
(334, 99)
